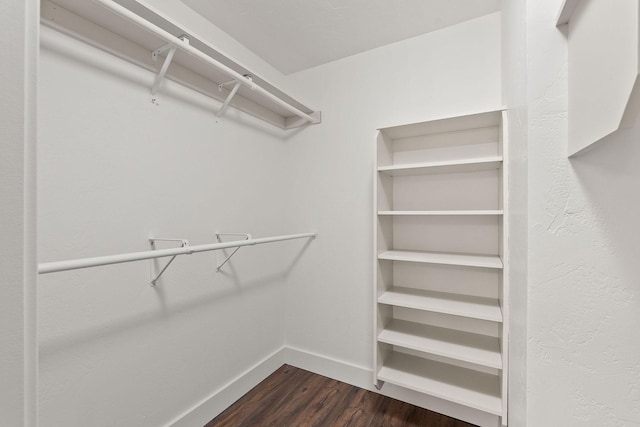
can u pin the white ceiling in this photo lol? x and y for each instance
(293, 35)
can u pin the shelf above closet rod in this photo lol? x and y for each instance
(149, 46)
(180, 45)
(74, 264)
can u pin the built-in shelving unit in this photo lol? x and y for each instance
(440, 258)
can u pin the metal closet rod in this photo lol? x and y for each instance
(74, 264)
(170, 38)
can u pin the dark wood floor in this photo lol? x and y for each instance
(292, 397)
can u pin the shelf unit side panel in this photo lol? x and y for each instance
(504, 255)
(384, 150)
(384, 191)
(376, 265)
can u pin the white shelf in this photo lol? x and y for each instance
(437, 125)
(483, 261)
(446, 303)
(451, 166)
(92, 23)
(474, 348)
(460, 385)
(443, 213)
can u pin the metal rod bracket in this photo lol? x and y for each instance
(165, 65)
(183, 244)
(229, 98)
(219, 265)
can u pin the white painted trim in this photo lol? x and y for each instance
(218, 401)
(19, 44)
(358, 376)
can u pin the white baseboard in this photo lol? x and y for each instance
(336, 369)
(210, 407)
(339, 370)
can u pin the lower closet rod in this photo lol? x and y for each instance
(73, 264)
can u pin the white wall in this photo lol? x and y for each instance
(330, 167)
(514, 75)
(18, 123)
(115, 170)
(584, 274)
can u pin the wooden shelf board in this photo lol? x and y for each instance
(443, 213)
(474, 348)
(452, 166)
(446, 303)
(460, 385)
(483, 261)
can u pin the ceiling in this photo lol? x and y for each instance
(294, 35)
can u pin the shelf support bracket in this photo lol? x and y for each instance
(228, 100)
(165, 65)
(183, 244)
(234, 90)
(220, 264)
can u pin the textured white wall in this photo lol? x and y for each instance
(18, 129)
(447, 72)
(115, 170)
(584, 274)
(514, 75)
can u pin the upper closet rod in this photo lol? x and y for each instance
(52, 267)
(170, 38)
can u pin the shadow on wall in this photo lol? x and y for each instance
(609, 176)
(133, 325)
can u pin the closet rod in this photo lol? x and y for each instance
(73, 264)
(170, 38)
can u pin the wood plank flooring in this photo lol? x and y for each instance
(292, 397)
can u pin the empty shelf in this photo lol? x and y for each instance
(446, 303)
(460, 385)
(444, 213)
(451, 166)
(484, 261)
(474, 348)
